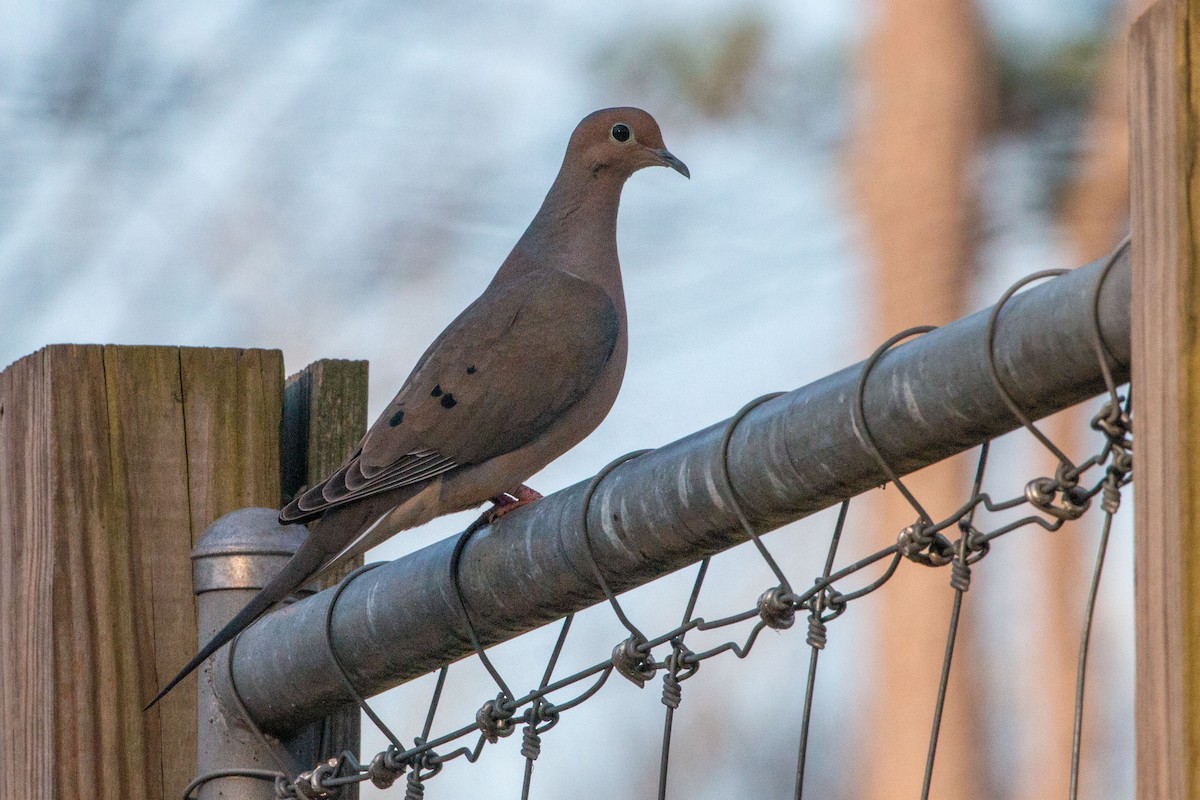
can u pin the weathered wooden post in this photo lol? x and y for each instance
(113, 460)
(1164, 119)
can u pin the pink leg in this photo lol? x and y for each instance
(510, 501)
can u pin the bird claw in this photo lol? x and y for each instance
(509, 502)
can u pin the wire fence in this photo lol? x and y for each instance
(956, 542)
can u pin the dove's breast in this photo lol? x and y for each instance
(479, 483)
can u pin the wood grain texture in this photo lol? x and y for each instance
(96, 686)
(149, 457)
(1164, 62)
(233, 402)
(112, 460)
(324, 417)
(26, 581)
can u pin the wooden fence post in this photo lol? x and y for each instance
(1165, 196)
(324, 416)
(112, 461)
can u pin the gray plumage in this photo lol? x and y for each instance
(518, 378)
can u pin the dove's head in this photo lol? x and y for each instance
(618, 142)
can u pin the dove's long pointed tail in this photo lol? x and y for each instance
(295, 573)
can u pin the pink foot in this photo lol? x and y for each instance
(510, 501)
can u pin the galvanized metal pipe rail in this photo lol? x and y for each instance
(925, 400)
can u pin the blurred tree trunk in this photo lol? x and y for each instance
(914, 149)
(1096, 208)
(1094, 215)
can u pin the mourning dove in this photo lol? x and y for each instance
(521, 376)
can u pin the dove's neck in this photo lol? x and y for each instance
(575, 231)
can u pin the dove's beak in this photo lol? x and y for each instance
(667, 160)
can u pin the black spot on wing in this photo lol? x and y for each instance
(437, 391)
(448, 401)
(470, 371)
(397, 418)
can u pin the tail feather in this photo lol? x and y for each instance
(340, 529)
(371, 521)
(295, 573)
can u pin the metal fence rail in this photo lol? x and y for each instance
(923, 401)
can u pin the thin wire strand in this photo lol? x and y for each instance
(862, 431)
(736, 500)
(200, 780)
(240, 706)
(586, 505)
(1113, 481)
(677, 654)
(1103, 354)
(1081, 667)
(943, 683)
(994, 369)
(960, 580)
(339, 669)
(255, 730)
(977, 483)
(455, 562)
(539, 704)
(810, 686)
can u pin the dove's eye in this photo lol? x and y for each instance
(621, 132)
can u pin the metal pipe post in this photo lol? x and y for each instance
(234, 558)
(925, 400)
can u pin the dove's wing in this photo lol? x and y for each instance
(509, 366)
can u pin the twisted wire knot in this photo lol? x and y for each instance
(681, 665)
(494, 718)
(1110, 496)
(632, 663)
(425, 765)
(321, 773)
(834, 603)
(682, 662)
(960, 575)
(976, 544)
(776, 611)
(817, 631)
(1075, 501)
(1042, 492)
(672, 692)
(540, 717)
(920, 544)
(304, 789)
(283, 789)
(386, 768)
(531, 743)
(1112, 421)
